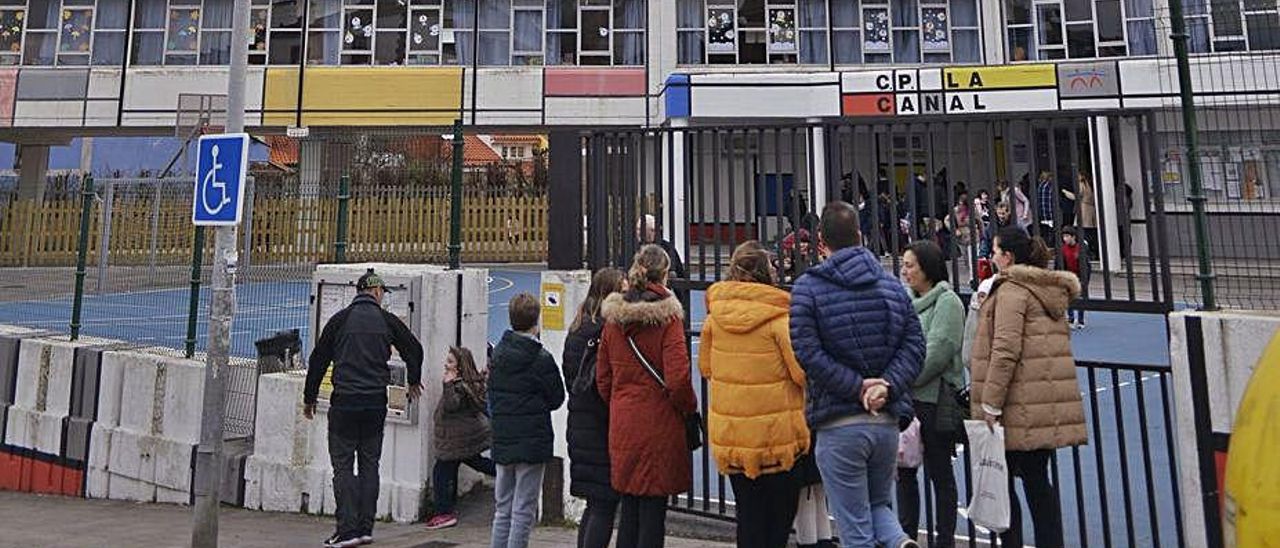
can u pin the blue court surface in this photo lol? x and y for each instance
(159, 318)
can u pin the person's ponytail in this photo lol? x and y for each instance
(1040, 254)
(650, 265)
(1026, 249)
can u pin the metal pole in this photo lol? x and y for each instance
(104, 235)
(193, 306)
(222, 307)
(82, 254)
(344, 203)
(1196, 191)
(455, 206)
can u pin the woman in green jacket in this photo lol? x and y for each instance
(924, 270)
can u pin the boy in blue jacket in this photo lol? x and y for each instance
(524, 388)
(859, 341)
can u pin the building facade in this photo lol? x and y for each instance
(72, 68)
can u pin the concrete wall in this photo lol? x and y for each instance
(290, 468)
(574, 287)
(1209, 380)
(94, 417)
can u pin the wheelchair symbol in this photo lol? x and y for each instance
(211, 183)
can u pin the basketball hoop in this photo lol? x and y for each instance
(199, 114)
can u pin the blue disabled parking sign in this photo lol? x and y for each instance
(222, 162)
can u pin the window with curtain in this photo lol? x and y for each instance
(62, 32)
(13, 19)
(852, 32)
(1233, 25)
(595, 32)
(1085, 29)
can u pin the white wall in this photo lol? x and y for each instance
(1233, 343)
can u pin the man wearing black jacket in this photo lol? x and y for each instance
(357, 341)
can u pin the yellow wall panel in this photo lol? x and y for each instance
(280, 97)
(1001, 77)
(381, 96)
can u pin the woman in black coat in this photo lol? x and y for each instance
(589, 415)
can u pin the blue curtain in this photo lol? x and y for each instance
(813, 44)
(628, 47)
(1142, 37)
(149, 14)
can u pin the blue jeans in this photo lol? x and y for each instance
(857, 463)
(515, 508)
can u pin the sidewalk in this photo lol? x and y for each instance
(50, 521)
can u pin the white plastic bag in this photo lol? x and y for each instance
(910, 447)
(989, 507)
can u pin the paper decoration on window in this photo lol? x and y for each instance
(875, 30)
(722, 30)
(357, 35)
(424, 31)
(11, 23)
(782, 30)
(184, 28)
(76, 27)
(933, 27)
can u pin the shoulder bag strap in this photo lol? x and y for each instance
(644, 362)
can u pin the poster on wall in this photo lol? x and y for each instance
(722, 30)
(933, 27)
(875, 30)
(1171, 167)
(782, 30)
(1213, 170)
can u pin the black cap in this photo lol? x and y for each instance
(371, 280)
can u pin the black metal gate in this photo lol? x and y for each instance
(711, 188)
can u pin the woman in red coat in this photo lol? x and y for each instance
(647, 448)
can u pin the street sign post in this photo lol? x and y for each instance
(222, 162)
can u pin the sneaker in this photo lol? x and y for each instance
(908, 543)
(366, 538)
(442, 521)
(339, 541)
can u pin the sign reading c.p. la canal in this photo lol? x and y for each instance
(953, 90)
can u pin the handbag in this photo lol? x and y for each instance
(585, 382)
(693, 433)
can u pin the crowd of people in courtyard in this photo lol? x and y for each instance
(817, 396)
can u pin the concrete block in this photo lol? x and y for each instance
(97, 470)
(126, 488)
(132, 456)
(278, 421)
(139, 410)
(44, 375)
(78, 432)
(86, 372)
(8, 367)
(111, 387)
(184, 386)
(281, 488)
(34, 430)
(172, 461)
(172, 496)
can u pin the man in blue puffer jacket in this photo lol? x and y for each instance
(859, 341)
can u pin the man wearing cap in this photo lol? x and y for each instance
(357, 341)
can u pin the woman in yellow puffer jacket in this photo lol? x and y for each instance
(756, 424)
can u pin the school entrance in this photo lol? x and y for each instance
(712, 187)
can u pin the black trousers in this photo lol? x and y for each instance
(596, 528)
(766, 508)
(1042, 499)
(939, 447)
(643, 523)
(444, 480)
(355, 447)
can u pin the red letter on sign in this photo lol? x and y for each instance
(868, 104)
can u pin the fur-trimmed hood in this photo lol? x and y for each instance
(1055, 289)
(649, 309)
